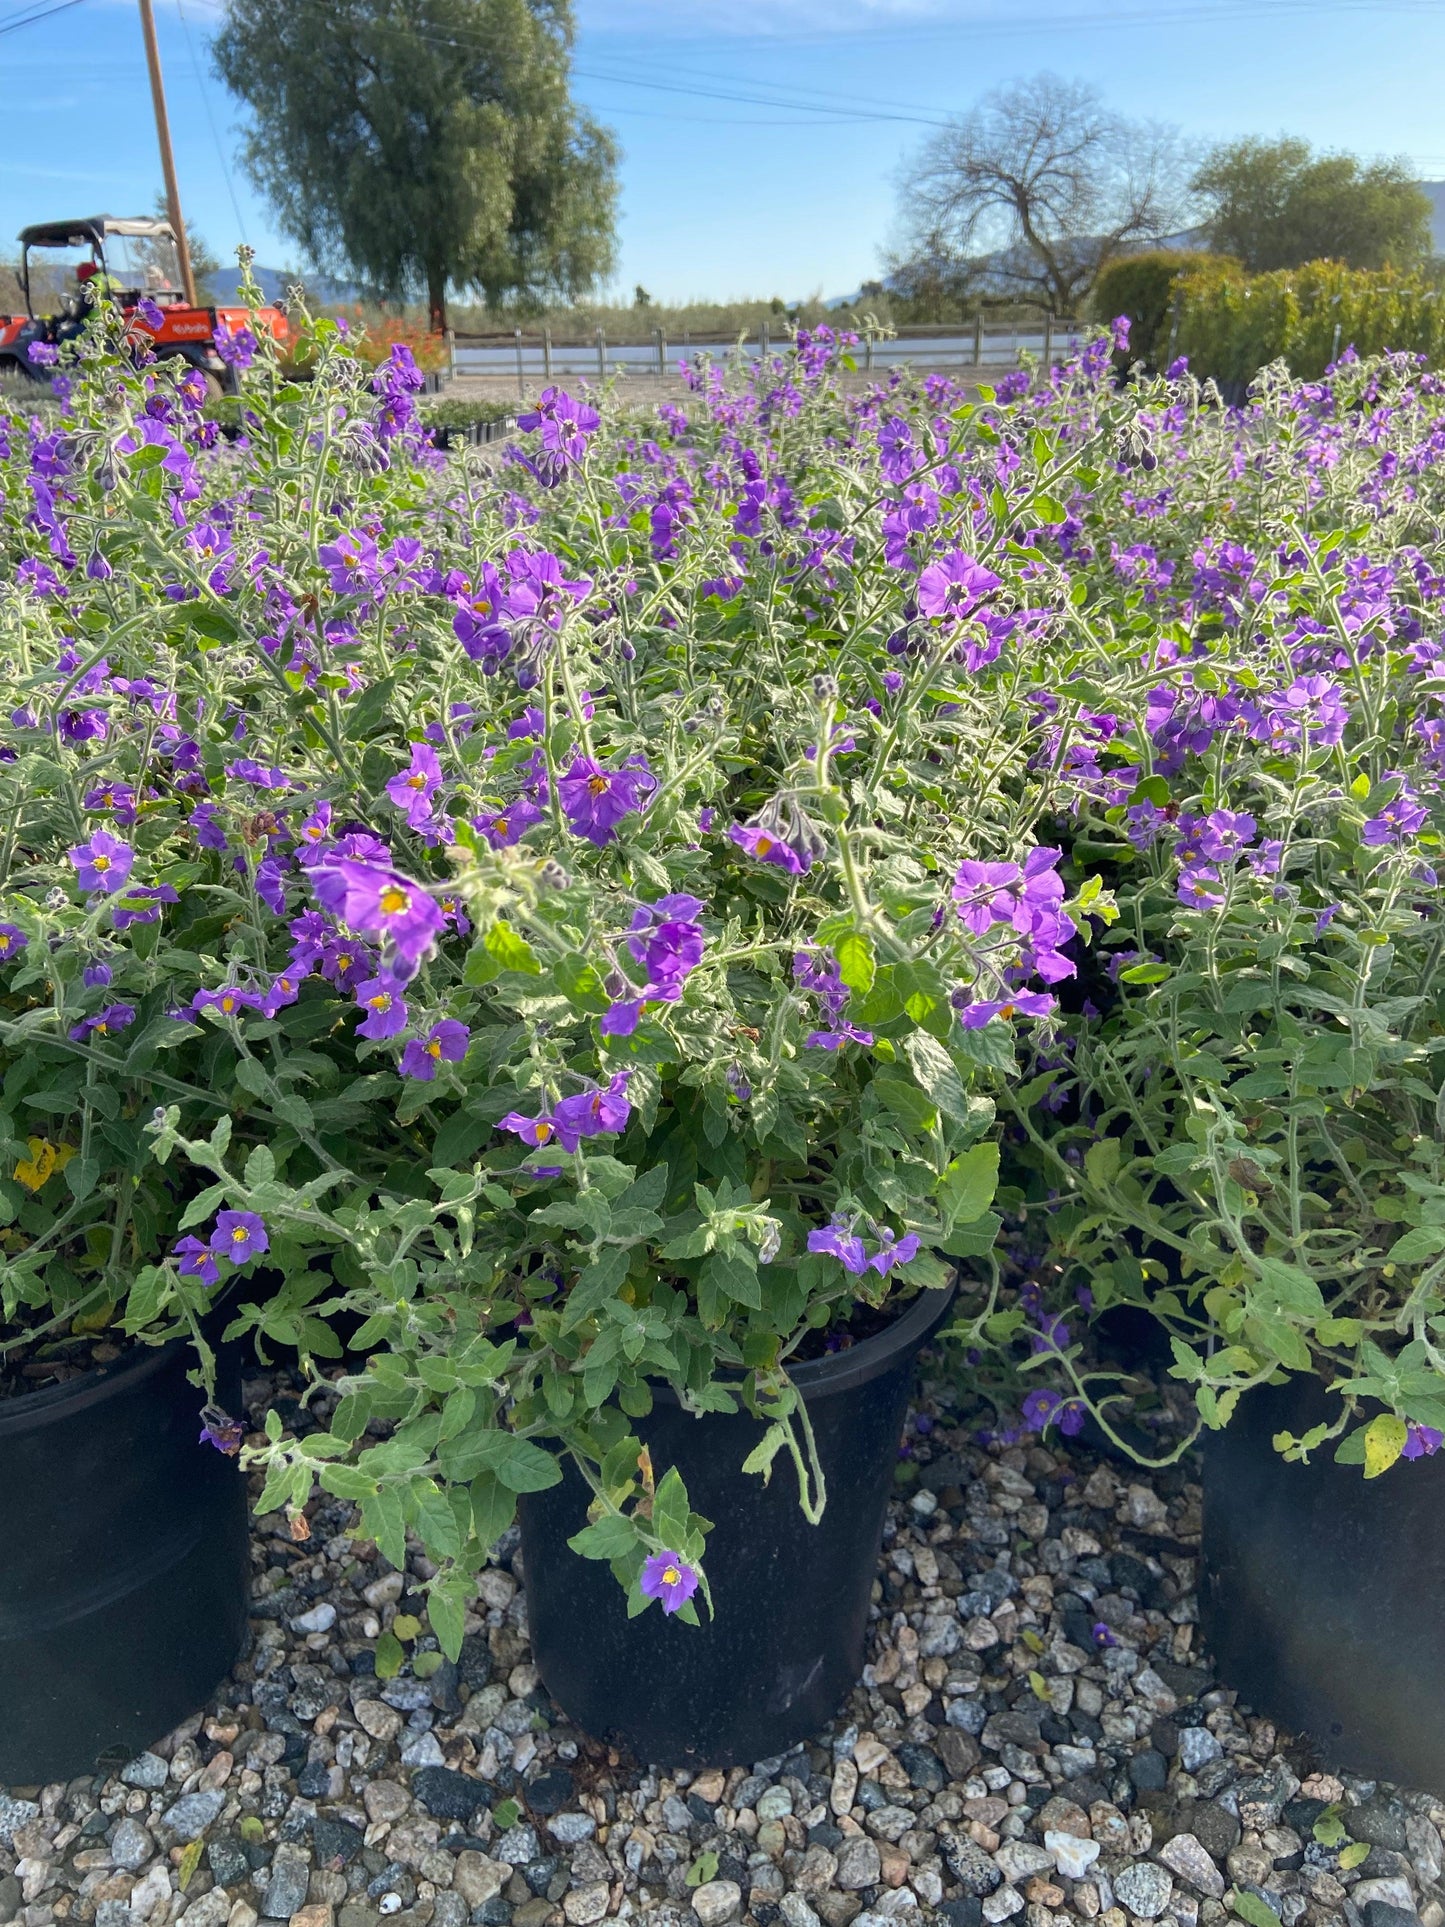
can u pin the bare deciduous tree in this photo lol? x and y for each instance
(1046, 182)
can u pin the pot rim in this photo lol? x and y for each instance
(55, 1403)
(840, 1372)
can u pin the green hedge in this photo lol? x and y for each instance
(1231, 326)
(451, 419)
(1142, 286)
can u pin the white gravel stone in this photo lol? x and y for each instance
(1072, 1856)
(717, 1901)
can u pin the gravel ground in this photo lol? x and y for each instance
(1036, 1736)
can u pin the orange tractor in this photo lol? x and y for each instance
(65, 265)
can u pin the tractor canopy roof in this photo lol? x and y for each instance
(91, 227)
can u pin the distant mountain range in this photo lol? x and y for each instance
(225, 285)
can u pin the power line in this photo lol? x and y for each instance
(13, 24)
(211, 123)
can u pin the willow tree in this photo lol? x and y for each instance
(426, 145)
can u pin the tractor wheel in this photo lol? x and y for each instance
(215, 388)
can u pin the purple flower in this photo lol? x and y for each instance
(1326, 917)
(575, 1117)
(1421, 1441)
(1119, 330)
(1404, 817)
(1224, 833)
(1103, 1635)
(119, 798)
(565, 425)
(42, 354)
(952, 587)
(1025, 1003)
(385, 1009)
(103, 864)
(237, 349)
(113, 1018)
(12, 941)
(838, 1240)
(239, 1236)
(1042, 1408)
(412, 789)
(378, 902)
(444, 1043)
(194, 1260)
(767, 846)
(151, 313)
(668, 1577)
(218, 1428)
(1201, 888)
(893, 1251)
(351, 561)
(230, 1000)
(247, 770)
(143, 905)
(595, 800)
(96, 976)
(503, 828)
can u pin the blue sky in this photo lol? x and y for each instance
(761, 138)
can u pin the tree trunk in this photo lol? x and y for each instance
(436, 300)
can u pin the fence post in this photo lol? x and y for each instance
(451, 354)
(868, 349)
(601, 357)
(517, 338)
(1335, 344)
(547, 352)
(1048, 341)
(661, 353)
(978, 339)
(764, 342)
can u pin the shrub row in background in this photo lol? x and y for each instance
(1230, 325)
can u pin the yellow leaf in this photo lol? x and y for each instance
(1032, 1640)
(405, 1626)
(1355, 1853)
(1384, 1442)
(44, 1161)
(190, 1860)
(1040, 1686)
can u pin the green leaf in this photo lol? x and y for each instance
(494, 1506)
(1290, 1288)
(1356, 1853)
(703, 1869)
(1424, 1241)
(856, 966)
(735, 1275)
(1384, 1442)
(1329, 1829)
(1257, 1912)
(1101, 1160)
(389, 1656)
(517, 1463)
(1146, 973)
(607, 1538)
(511, 950)
(506, 1814)
(967, 1187)
(760, 1459)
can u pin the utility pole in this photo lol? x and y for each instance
(168, 159)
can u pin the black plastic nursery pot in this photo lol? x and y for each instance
(123, 1580)
(1322, 1594)
(790, 1599)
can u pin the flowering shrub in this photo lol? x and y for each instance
(559, 925)
(1239, 1124)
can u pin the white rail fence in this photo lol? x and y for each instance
(530, 358)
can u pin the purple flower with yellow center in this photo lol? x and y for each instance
(316, 828)
(12, 941)
(839, 1240)
(104, 1022)
(285, 989)
(503, 828)
(118, 798)
(239, 1236)
(1201, 888)
(379, 903)
(1104, 1635)
(764, 843)
(1404, 817)
(1224, 833)
(605, 1109)
(103, 864)
(444, 1043)
(595, 800)
(194, 1260)
(536, 1131)
(219, 1429)
(667, 1576)
(1024, 1003)
(1042, 1408)
(385, 1008)
(230, 1000)
(412, 789)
